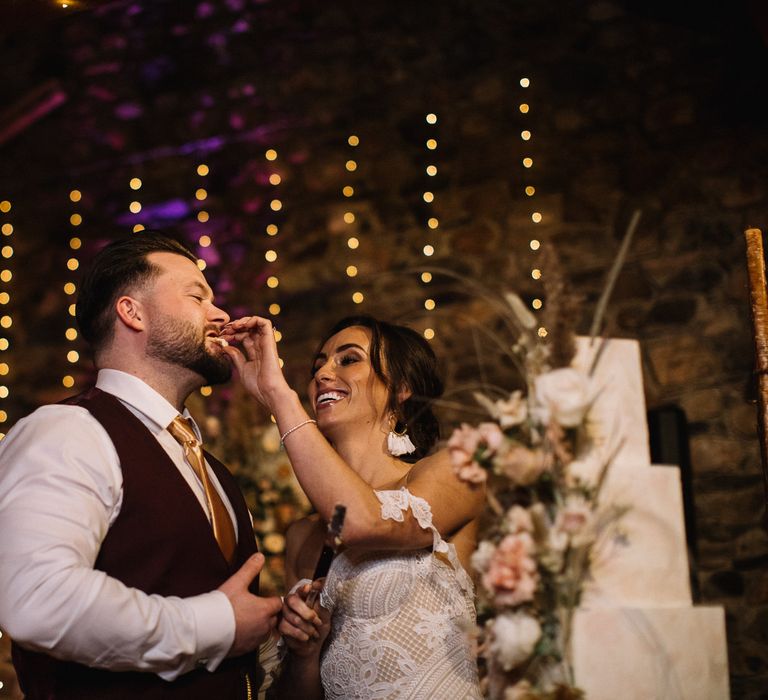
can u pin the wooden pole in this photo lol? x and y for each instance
(758, 296)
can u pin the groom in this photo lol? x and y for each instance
(127, 557)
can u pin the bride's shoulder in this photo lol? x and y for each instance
(433, 464)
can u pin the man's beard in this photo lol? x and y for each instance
(177, 342)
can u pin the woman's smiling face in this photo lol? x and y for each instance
(344, 387)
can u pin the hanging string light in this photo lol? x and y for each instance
(70, 288)
(204, 240)
(271, 255)
(350, 219)
(272, 230)
(432, 222)
(530, 191)
(6, 319)
(134, 207)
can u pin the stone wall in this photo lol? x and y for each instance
(632, 106)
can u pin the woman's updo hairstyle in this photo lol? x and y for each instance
(402, 358)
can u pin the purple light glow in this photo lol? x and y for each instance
(171, 210)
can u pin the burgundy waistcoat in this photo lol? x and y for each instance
(161, 543)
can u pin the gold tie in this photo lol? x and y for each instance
(223, 530)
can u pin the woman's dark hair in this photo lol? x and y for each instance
(116, 269)
(401, 358)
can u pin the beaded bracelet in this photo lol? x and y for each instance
(295, 427)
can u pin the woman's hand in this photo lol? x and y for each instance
(258, 363)
(303, 628)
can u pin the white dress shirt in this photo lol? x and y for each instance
(60, 489)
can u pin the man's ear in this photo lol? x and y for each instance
(131, 313)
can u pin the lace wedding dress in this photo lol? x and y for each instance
(401, 619)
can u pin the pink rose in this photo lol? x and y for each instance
(520, 464)
(491, 436)
(511, 576)
(462, 446)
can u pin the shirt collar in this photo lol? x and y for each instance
(142, 397)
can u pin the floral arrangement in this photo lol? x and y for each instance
(543, 462)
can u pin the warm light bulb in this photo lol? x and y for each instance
(201, 193)
(272, 282)
(348, 190)
(135, 183)
(353, 243)
(275, 205)
(202, 170)
(349, 217)
(358, 297)
(426, 277)
(270, 256)
(431, 118)
(275, 179)
(428, 250)
(353, 140)
(351, 271)
(135, 207)
(351, 165)
(203, 216)
(271, 154)
(429, 333)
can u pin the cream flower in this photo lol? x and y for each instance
(513, 411)
(576, 519)
(514, 638)
(518, 519)
(562, 395)
(522, 465)
(481, 557)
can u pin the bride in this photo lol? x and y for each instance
(398, 597)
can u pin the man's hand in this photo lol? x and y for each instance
(255, 617)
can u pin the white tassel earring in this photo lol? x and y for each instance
(398, 443)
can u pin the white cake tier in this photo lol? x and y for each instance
(618, 412)
(651, 653)
(650, 568)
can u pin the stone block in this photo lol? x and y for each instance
(651, 569)
(619, 409)
(645, 653)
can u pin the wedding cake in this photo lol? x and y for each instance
(636, 635)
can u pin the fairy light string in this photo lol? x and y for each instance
(350, 219)
(74, 245)
(6, 319)
(529, 189)
(204, 239)
(272, 230)
(432, 222)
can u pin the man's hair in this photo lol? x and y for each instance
(120, 267)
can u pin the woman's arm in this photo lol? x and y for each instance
(327, 479)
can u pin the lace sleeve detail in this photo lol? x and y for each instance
(393, 506)
(395, 503)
